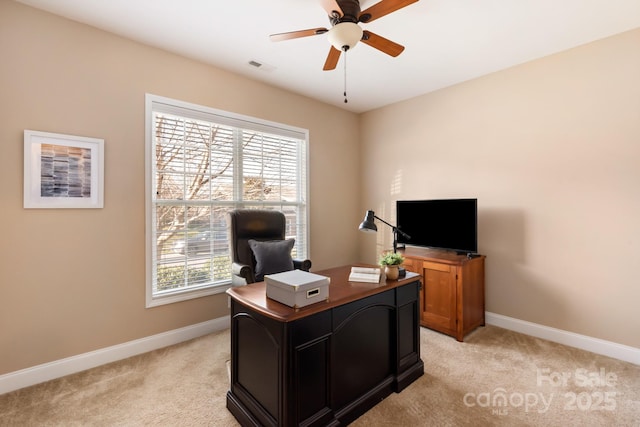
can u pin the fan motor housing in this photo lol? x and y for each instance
(350, 11)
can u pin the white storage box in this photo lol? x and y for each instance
(297, 288)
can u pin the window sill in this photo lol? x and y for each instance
(184, 295)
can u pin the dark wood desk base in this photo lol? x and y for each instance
(324, 364)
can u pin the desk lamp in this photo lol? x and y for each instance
(368, 225)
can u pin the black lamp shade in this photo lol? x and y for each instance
(368, 224)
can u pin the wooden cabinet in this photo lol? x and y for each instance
(452, 294)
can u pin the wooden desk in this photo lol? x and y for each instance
(327, 363)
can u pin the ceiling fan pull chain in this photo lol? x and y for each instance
(345, 76)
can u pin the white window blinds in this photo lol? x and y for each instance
(202, 163)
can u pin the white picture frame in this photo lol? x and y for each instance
(63, 171)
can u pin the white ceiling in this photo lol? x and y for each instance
(447, 41)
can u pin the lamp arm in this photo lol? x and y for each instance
(395, 230)
(405, 235)
(382, 220)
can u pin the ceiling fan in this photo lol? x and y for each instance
(345, 32)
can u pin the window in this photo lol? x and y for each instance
(201, 163)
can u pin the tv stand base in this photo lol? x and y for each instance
(452, 294)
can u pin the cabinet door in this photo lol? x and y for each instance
(309, 382)
(439, 292)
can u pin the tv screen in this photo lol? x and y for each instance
(443, 224)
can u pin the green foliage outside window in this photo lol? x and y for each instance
(173, 276)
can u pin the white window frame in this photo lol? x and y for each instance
(155, 103)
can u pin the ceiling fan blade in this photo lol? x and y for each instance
(382, 8)
(332, 59)
(332, 7)
(297, 34)
(382, 44)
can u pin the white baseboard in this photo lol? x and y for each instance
(594, 345)
(71, 365)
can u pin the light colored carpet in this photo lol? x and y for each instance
(495, 378)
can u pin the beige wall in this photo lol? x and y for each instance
(73, 281)
(551, 149)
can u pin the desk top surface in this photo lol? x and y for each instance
(341, 291)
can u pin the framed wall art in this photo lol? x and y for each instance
(63, 171)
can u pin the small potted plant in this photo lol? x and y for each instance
(391, 261)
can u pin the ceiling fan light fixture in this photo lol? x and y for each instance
(345, 35)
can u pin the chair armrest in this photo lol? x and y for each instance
(241, 274)
(304, 265)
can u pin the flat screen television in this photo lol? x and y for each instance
(450, 224)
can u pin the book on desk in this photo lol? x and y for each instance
(365, 274)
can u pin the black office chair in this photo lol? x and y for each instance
(258, 245)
